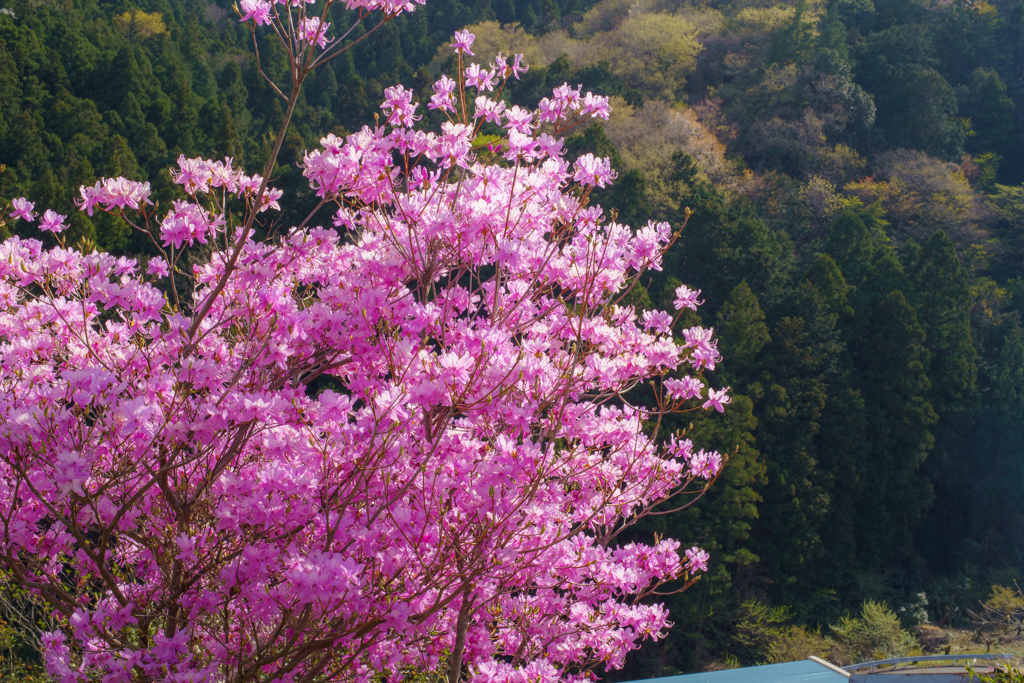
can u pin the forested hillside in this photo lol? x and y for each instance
(854, 168)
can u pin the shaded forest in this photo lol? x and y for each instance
(855, 170)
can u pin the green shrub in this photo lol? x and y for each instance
(795, 643)
(875, 634)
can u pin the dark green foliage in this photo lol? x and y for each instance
(826, 276)
(943, 304)
(724, 242)
(916, 105)
(742, 332)
(529, 17)
(795, 42)
(787, 117)
(988, 106)
(801, 364)
(880, 391)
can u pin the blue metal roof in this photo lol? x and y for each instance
(805, 671)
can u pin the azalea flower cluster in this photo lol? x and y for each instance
(111, 193)
(313, 29)
(398, 444)
(202, 176)
(50, 222)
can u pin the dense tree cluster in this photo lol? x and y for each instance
(854, 169)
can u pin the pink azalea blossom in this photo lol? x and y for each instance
(567, 97)
(187, 548)
(687, 387)
(313, 31)
(705, 465)
(687, 298)
(488, 109)
(194, 174)
(518, 66)
(520, 119)
(594, 171)
(270, 199)
(659, 321)
(479, 78)
(696, 560)
(717, 399)
(470, 318)
(463, 41)
(222, 175)
(597, 106)
(23, 209)
(551, 146)
(52, 222)
(187, 224)
(114, 193)
(257, 10)
(158, 267)
(443, 97)
(398, 101)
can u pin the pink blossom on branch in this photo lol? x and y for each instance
(158, 267)
(443, 97)
(596, 105)
(463, 41)
(449, 499)
(114, 193)
(594, 171)
(489, 109)
(684, 388)
(314, 32)
(519, 119)
(188, 223)
(23, 209)
(696, 560)
(687, 298)
(194, 174)
(52, 222)
(398, 101)
(257, 10)
(717, 399)
(478, 78)
(705, 465)
(518, 66)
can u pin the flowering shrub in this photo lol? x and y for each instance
(192, 510)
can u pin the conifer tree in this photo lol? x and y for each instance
(741, 330)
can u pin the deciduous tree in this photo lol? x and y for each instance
(295, 453)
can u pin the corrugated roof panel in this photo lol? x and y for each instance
(804, 671)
